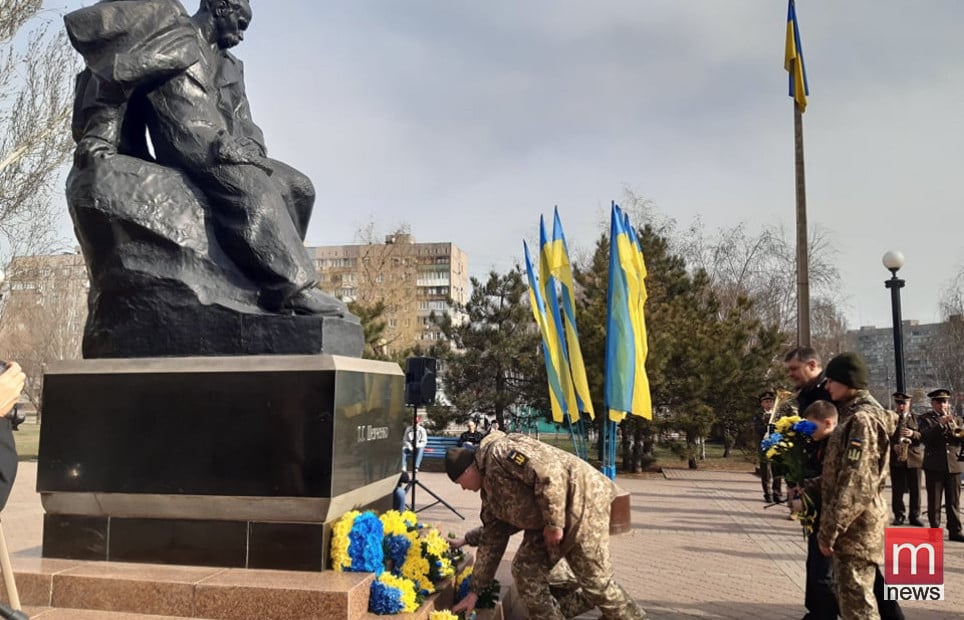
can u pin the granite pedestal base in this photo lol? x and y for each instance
(225, 461)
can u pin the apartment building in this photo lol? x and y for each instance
(411, 279)
(924, 357)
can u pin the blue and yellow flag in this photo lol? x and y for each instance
(555, 324)
(557, 253)
(550, 344)
(793, 60)
(627, 385)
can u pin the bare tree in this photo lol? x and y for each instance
(37, 66)
(762, 267)
(948, 351)
(43, 313)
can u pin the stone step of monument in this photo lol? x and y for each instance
(52, 589)
(53, 613)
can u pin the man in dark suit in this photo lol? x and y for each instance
(942, 470)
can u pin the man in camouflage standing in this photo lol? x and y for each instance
(561, 503)
(854, 514)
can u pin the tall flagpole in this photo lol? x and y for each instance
(803, 257)
(793, 63)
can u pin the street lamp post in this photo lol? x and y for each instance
(893, 261)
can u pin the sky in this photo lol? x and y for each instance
(468, 120)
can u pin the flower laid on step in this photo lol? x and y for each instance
(436, 550)
(443, 615)
(392, 595)
(401, 533)
(487, 599)
(356, 543)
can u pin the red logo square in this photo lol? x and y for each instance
(914, 556)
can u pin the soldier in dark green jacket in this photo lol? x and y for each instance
(561, 503)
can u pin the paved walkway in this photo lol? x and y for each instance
(702, 546)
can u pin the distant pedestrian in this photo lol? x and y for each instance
(414, 440)
(471, 437)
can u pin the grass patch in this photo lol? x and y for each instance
(28, 441)
(738, 460)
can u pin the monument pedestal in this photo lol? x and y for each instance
(220, 461)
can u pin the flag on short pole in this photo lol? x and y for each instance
(793, 60)
(627, 385)
(558, 398)
(560, 270)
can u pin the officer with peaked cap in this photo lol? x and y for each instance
(772, 484)
(942, 470)
(906, 462)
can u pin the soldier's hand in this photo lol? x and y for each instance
(906, 432)
(826, 551)
(552, 535)
(467, 604)
(457, 543)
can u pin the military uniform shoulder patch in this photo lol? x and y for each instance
(854, 450)
(518, 458)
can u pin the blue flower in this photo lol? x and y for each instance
(365, 544)
(396, 548)
(805, 426)
(384, 599)
(771, 440)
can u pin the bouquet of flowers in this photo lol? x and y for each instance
(789, 448)
(391, 595)
(487, 598)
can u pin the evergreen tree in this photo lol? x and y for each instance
(495, 361)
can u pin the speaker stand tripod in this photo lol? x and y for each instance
(414, 482)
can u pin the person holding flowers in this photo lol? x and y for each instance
(562, 504)
(853, 513)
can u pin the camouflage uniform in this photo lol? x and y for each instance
(563, 584)
(854, 515)
(528, 485)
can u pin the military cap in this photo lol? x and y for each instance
(849, 369)
(939, 394)
(900, 397)
(457, 460)
(768, 395)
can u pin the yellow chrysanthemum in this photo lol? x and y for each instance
(772, 452)
(786, 423)
(442, 615)
(405, 586)
(394, 523)
(465, 573)
(340, 560)
(435, 544)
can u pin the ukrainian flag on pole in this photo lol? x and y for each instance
(560, 270)
(627, 385)
(793, 60)
(559, 395)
